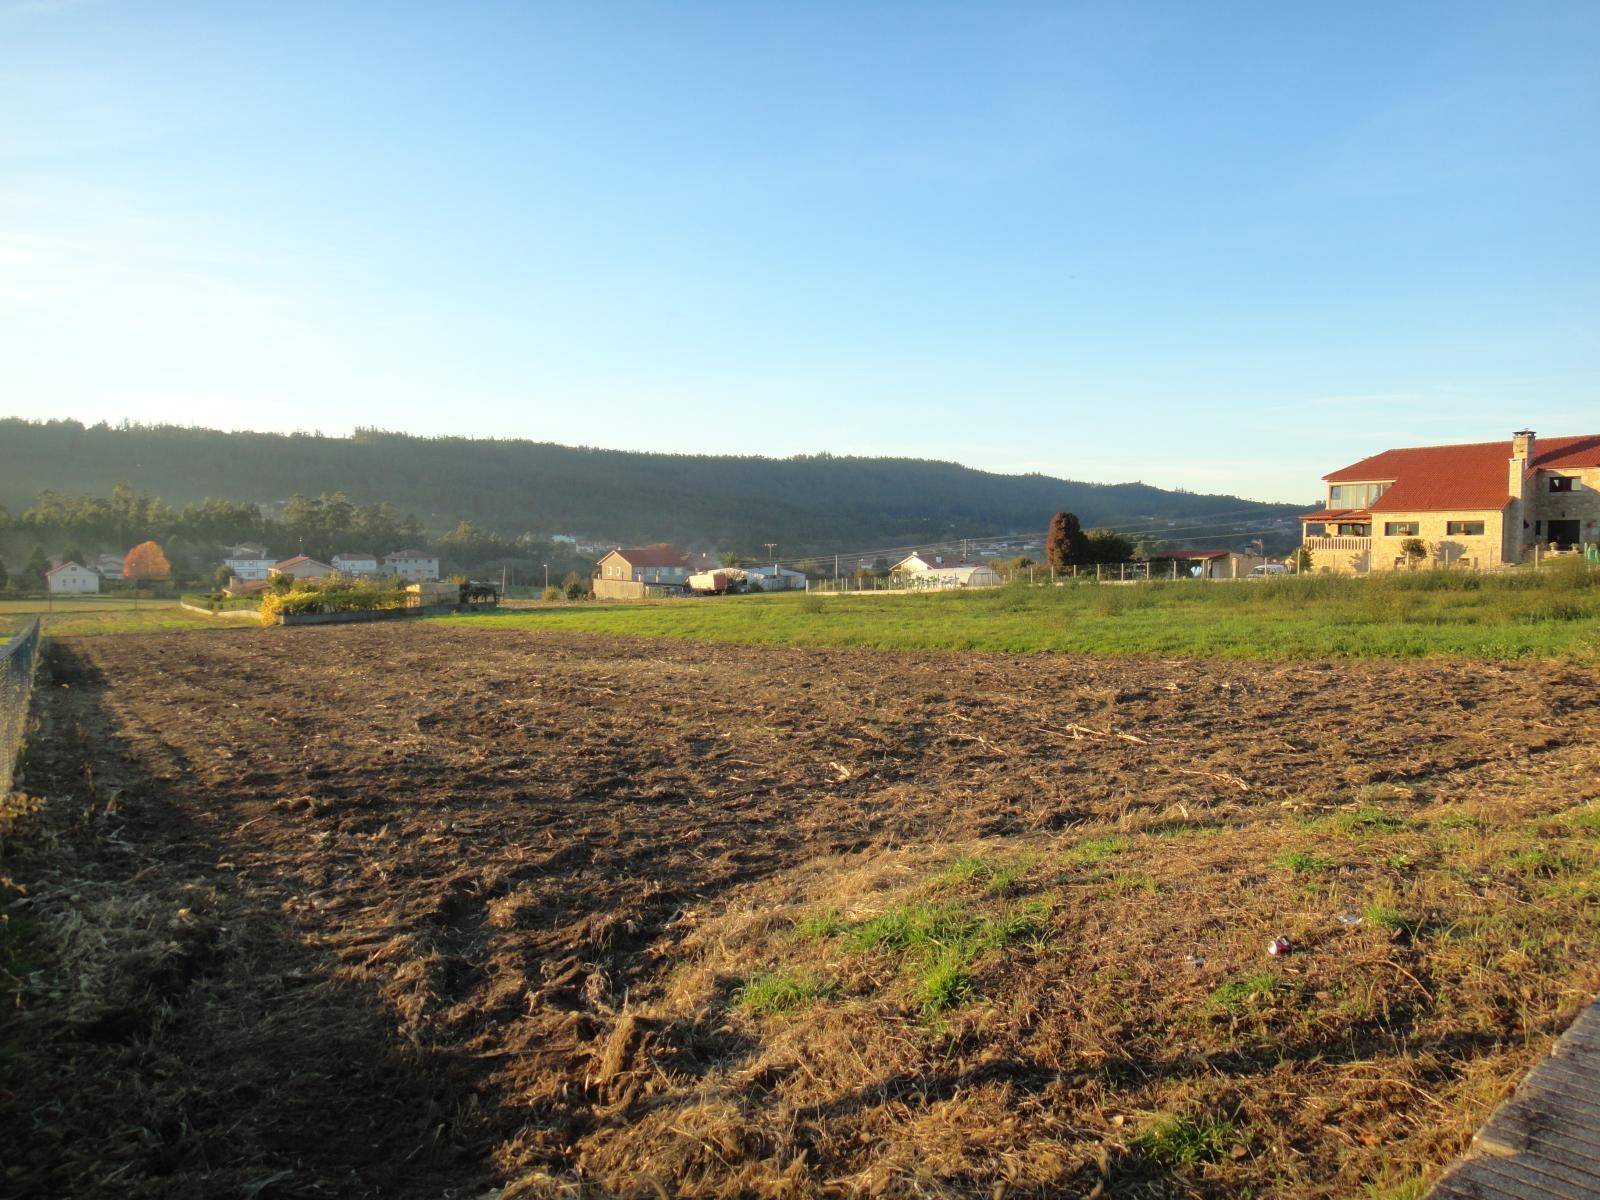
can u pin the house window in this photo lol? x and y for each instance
(1315, 529)
(1400, 529)
(1463, 528)
(1563, 483)
(1355, 495)
(1353, 529)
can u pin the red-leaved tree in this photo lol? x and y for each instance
(146, 562)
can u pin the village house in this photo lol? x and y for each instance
(414, 566)
(1483, 504)
(301, 567)
(936, 571)
(71, 579)
(642, 571)
(356, 563)
(774, 578)
(109, 566)
(248, 561)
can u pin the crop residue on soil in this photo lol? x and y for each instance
(426, 912)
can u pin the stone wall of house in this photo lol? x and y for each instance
(1582, 505)
(1445, 548)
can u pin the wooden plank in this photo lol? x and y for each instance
(1544, 1142)
(1555, 1160)
(1575, 1072)
(1573, 1161)
(1520, 1177)
(1468, 1182)
(1552, 1091)
(1515, 1125)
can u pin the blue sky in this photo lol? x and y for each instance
(1221, 246)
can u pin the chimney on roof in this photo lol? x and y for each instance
(1522, 442)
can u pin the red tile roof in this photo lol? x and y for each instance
(1474, 476)
(650, 556)
(1338, 514)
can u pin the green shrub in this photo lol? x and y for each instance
(332, 595)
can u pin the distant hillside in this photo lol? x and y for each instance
(809, 503)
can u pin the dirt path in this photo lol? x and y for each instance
(420, 912)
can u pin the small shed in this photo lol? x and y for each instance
(1204, 564)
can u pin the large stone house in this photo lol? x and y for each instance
(1484, 504)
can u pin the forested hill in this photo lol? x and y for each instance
(809, 503)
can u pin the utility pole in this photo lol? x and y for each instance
(547, 574)
(772, 553)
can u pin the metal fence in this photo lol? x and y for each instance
(16, 682)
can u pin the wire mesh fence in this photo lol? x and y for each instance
(17, 658)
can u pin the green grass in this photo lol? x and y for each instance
(79, 618)
(1237, 994)
(1094, 850)
(1517, 614)
(774, 992)
(822, 925)
(1304, 862)
(940, 943)
(997, 877)
(1172, 1140)
(1367, 819)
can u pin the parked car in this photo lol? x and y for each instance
(1265, 569)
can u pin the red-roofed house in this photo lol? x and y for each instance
(1484, 504)
(644, 570)
(301, 567)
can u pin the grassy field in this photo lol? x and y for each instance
(98, 615)
(1552, 614)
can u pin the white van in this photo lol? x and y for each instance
(1266, 569)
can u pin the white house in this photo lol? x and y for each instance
(108, 565)
(935, 571)
(71, 579)
(356, 562)
(416, 566)
(775, 578)
(248, 561)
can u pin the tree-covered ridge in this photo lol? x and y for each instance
(809, 503)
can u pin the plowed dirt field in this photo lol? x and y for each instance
(427, 912)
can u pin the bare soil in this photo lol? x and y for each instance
(410, 911)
